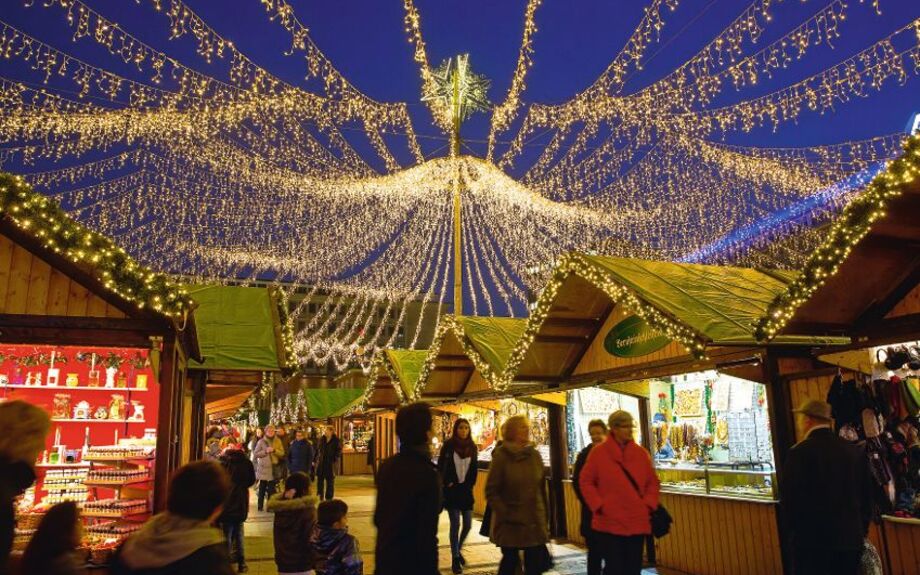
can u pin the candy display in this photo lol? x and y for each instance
(115, 507)
(106, 475)
(115, 452)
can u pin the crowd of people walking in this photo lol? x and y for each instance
(825, 493)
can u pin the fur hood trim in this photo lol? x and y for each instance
(278, 503)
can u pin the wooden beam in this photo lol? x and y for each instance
(892, 330)
(454, 368)
(571, 322)
(562, 338)
(537, 378)
(452, 357)
(66, 330)
(903, 285)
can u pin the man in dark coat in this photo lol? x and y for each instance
(327, 458)
(300, 454)
(826, 496)
(236, 509)
(598, 431)
(408, 500)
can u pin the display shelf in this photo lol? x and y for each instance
(62, 465)
(104, 483)
(100, 459)
(71, 420)
(66, 388)
(132, 516)
(65, 487)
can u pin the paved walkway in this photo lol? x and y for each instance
(358, 491)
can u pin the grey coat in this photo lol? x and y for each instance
(263, 460)
(517, 494)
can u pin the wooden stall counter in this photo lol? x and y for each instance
(355, 463)
(901, 555)
(711, 535)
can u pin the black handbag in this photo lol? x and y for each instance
(659, 517)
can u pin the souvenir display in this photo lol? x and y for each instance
(61, 406)
(117, 407)
(688, 402)
(137, 411)
(82, 410)
(141, 381)
(73, 380)
(101, 413)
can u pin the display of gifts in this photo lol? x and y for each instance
(54, 374)
(137, 411)
(73, 380)
(101, 413)
(81, 411)
(117, 407)
(103, 452)
(60, 406)
(141, 381)
(116, 507)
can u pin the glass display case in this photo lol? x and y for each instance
(723, 481)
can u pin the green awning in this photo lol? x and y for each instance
(236, 328)
(407, 364)
(721, 303)
(494, 338)
(333, 402)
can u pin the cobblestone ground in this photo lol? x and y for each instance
(358, 491)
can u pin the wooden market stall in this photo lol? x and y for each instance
(239, 332)
(102, 343)
(627, 321)
(862, 282)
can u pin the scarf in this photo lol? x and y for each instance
(464, 448)
(167, 538)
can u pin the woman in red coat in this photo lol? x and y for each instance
(620, 510)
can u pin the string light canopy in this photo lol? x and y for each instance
(214, 168)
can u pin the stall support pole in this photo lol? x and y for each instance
(783, 425)
(167, 431)
(558, 448)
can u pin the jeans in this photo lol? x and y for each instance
(457, 537)
(329, 484)
(266, 490)
(812, 561)
(534, 560)
(622, 554)
(234, 534)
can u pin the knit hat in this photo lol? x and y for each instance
(23, 428)
(815, 409)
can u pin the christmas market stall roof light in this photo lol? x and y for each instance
(401, 368)
(110, 265)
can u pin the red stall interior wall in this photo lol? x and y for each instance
(14, 360)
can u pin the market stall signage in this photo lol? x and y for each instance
(634, 337)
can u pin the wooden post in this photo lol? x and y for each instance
(558, 448)
(783, 426)
(166, 429)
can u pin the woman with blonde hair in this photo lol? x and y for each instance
(23, 428)
(517, 496)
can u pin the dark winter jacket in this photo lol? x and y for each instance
(826, 493)
(171, 545)
(294, 522)
(576, 474)
(408, 505)
(15, 477)
(242, 477)
(327, 456)
(336, 552)
(515, 490)
(457, 495)
(300, 456)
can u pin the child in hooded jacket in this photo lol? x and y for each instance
(336, 551)
(295, 517)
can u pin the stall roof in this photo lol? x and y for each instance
(859, 281)
(406, 364)
(236, 328)
(331, 402)
(465, 346)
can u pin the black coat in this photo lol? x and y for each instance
(576, 474)
(242, 477)
(457, 495)
(292, 528)
(15, 477)
(826, 493)
(406, 517)
(300, 456)
(327, 455)
(209, 560)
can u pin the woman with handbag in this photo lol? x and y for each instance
(620, 487)
(515, 491)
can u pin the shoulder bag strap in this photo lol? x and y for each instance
(629, 477)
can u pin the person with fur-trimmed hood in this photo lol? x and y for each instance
(295, 517)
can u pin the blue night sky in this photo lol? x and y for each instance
(575, 41)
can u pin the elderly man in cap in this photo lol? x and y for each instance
(826, 496)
